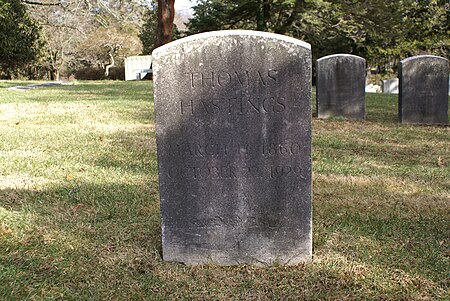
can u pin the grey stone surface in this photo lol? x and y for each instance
(423, 89)
(390, 86)
(233, 126)
(341, 86)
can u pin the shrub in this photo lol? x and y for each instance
(90, 73)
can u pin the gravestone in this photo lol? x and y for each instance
(390, 86)
(137, 67)
(372, 88)
(340, 86)
(423, 88)
(233, 131)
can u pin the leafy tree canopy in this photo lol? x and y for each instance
(19, 36)
(265, 15)
(381, 31)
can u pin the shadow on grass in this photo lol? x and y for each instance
(96, 242)
(78, 239)
(373, 238)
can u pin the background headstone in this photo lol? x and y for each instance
(372, 88)
(423, 90)
(233, 126)
(390, 86)
(341, 86)
(137, 67)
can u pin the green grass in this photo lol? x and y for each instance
(79, 211)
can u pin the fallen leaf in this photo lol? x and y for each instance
(69, 177)
(101, 138)
(440, 162)
(77, 208)
(4, 231)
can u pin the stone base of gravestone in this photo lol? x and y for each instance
(233, 126)
(423, 90)
(340, 86)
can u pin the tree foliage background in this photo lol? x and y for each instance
(19, 37)
(74, 35)
(47, 38)
(383, 32)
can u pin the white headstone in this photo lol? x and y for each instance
(390, 86)
(137, 67)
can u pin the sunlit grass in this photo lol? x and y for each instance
(79, 209)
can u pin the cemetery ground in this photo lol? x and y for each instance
(79, 207)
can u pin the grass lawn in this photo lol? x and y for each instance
(79, 207)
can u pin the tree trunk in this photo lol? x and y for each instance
(111, 63)
(166, 13)
(109, 66)
(54, 74)
(263, 15)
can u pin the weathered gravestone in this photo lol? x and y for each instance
(423, 87)
(340, 86)
(233, 130)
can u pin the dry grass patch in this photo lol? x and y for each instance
(79, 209)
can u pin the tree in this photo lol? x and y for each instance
(381, 31)
(19, 37)
(105, 47)
(69, 28)
(166, 14)
(264, 15)
(149, 29)
(426, 26)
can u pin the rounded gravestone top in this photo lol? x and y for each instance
(340, 55)
(230, 33)
(425, 56)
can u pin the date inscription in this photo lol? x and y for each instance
(202, 150)
(224, 172)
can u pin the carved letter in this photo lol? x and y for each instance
(252, 105)
(211, 79)
(212, 149)
(279, 106)
(216, 107)
(261, 79)
(272, 74)
(198, 150)
(242, 80)
(224, 78)
(264, 104)
(191, 105)
(230, 104)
